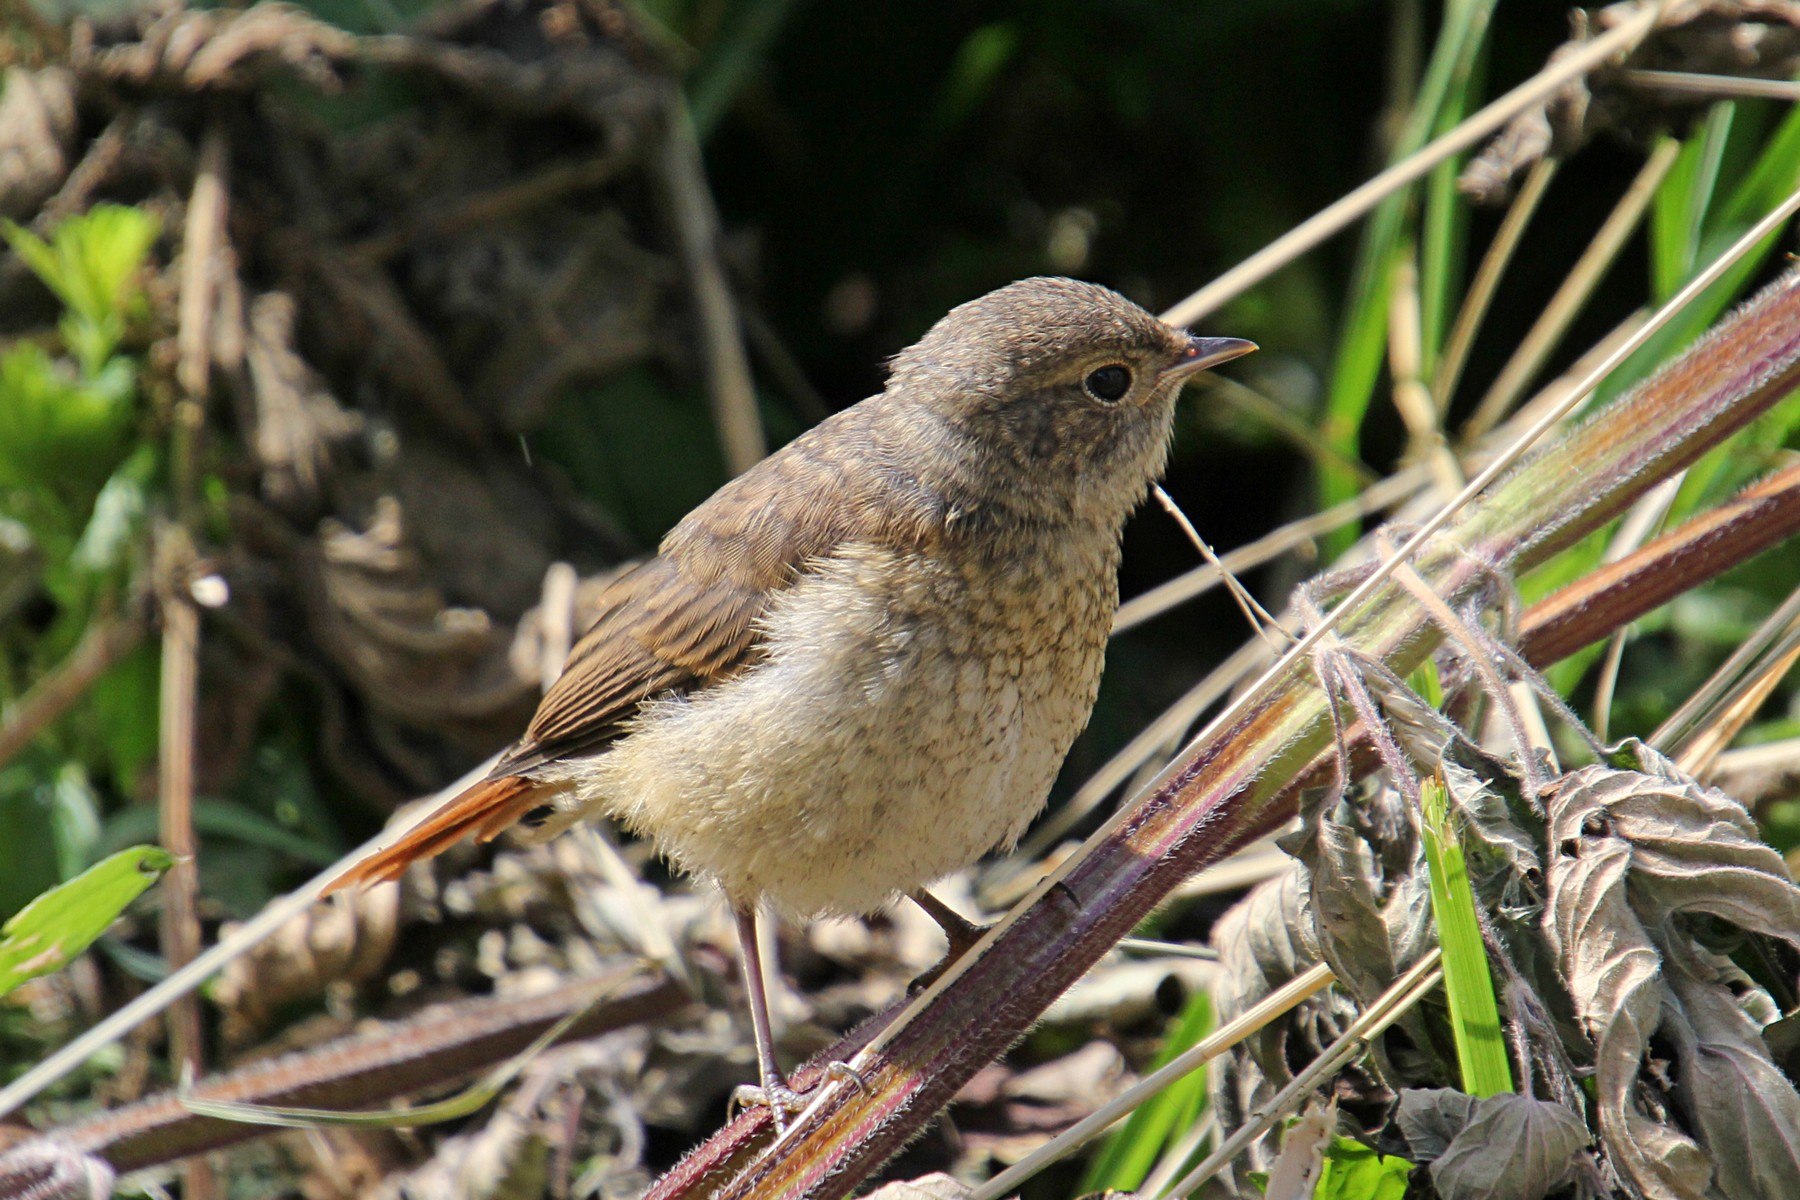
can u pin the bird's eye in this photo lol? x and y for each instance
(1108, 384)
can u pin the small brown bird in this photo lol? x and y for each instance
(858, 666)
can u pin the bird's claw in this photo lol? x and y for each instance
(782, 1101)
(844, 1072)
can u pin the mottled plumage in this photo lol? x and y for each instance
(858, 666)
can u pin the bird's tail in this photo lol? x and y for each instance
(485, 810)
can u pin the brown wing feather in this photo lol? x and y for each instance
(657, 633)
(682, 621)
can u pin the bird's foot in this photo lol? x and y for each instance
(783, 1101)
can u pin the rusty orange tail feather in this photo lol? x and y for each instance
(485, 810)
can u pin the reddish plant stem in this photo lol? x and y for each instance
(439, 1046)
(1232, 784)
(1763, 515)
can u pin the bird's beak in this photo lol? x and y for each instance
(1204, 353)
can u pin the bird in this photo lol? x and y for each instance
(857, 667)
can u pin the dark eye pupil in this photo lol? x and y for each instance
(1109, 383)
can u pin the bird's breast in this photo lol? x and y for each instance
(909, 714)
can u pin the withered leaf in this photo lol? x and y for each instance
(1634, 855)
(1512, 1147)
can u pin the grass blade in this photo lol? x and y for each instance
(1469, 984)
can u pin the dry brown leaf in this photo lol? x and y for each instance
(1636, 855)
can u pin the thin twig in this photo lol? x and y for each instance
(1412, 399)
(1330, 220)
(1399, 999)
(1272, 545)
(175, 786)
(1696, 83)
(1636, 525)
(106, 642)
(202, 241)
(1487, 281)
(1262, 622)
(1704, 745)
(1739, 673)
(697, 228)
(1275, 1004)
(1159, 949)
(1542, 338)
(203, 244)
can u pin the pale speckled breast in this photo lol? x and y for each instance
(910, 715)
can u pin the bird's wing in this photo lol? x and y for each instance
(690, 617)
(659, 631)
(680, 622)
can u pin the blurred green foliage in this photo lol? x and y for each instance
(75, 469)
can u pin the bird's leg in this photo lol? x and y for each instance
(960, 933)
(774, 1092)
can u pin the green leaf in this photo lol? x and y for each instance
(1678, 213)
(74, 818)
(1468, 982)
(113, 531)
(1362, 344)
(1355, 1172)
(53, 929)
(92, 260)
(59, 433)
